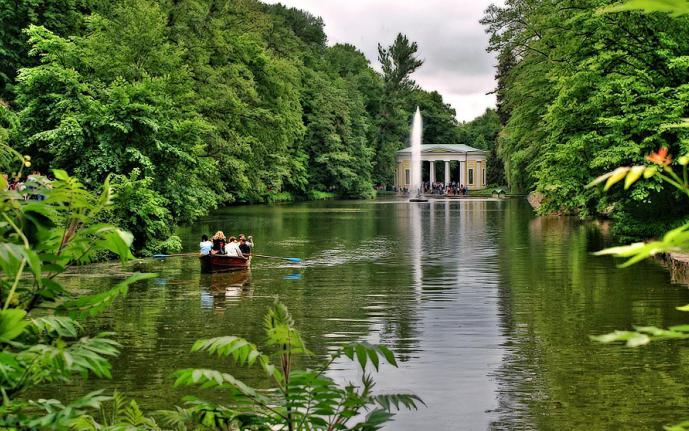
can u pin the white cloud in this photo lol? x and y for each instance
(450, 38)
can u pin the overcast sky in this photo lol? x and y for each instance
(451, 41)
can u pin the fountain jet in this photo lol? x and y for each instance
(416, 136)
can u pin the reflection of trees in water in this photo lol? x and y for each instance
(552, 295)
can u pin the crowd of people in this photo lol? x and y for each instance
(439, 188)
(451, 189)
(239, 246)
(31, 188)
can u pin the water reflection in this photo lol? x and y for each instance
(223, 288)
(553, 293)
(487, 307)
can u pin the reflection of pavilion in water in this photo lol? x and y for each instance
(220, 288)
(451, 250)
(438, 234)
(447, 244)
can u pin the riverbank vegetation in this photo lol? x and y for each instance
(199, 104)
(581, 92)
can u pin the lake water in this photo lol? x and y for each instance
(487, 307)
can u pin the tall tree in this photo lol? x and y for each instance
(398, 62)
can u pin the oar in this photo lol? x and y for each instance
(162, 256)
(291, 259)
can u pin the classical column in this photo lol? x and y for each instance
(479, 174)
(432, 171)
(462, 173)
(447, 172)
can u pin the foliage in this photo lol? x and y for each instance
(144, 213)
(583, 92)
(398, 62)
(41, 337)
(299, 399)
(673, 7)
(60, 16)
(483, 133)
(115, 413)
(676, 240)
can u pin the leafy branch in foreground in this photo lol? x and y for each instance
(41, 340)
(676, 240)
(299, 399)
(673, 7)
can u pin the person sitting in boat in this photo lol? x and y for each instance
(205, 246)
(218, 243)
(232, 248)
(245, 245)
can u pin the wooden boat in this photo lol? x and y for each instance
(221, 262)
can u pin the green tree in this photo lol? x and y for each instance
(483, 132)
(586, 93)
(398, 62)
(63, 17)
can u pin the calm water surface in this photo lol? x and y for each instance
(487, 307)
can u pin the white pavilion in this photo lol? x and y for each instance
(461, 163)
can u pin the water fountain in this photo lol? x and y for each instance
(416, 135)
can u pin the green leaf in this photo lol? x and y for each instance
(91, 305)
(62, 326)
(361, 355)
(679, 328)
(633, 175)
(241, 351)
(389, 356)
(12, 324)
(673, 7)
(638, 340)
(207, 378)
(615, 177)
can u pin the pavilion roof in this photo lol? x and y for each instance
(445, 148)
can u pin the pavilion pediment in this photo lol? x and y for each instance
(438, 150)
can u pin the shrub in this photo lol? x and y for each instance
(143, 212)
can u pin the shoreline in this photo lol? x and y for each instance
(677, 265)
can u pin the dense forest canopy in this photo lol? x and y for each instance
(200, 103)
(582, 92)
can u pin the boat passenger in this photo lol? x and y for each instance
(245, 245)
(205, 246)
(232, 248)
(218, 243)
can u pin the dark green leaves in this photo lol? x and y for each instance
(365, 353)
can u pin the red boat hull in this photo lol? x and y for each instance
(219, 262)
